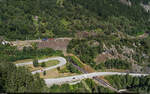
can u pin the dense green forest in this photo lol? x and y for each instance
(72, 69)
(113, 23)
(19, 79)
(32, 19)
(134, 84)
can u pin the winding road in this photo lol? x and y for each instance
(62, 61)
(69, 79)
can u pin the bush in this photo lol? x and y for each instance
(114, 63)
(35, 62)
(72, 69)
(43, 64)
(58, 68)
(44, 73)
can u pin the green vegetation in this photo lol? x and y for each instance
(19, 79)
(49, 63)
(35, 62)
(85, 52)
(140, 49)
(44, 73)
(134, 84)
(69, 68)
(43, 64)
(80, 88)
(58, 68)
(72, 69)
(114, 63)
(9, 53)
(108, 22)
(64, 70)
(75, 61)
(21, 20)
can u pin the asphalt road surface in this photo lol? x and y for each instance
(69, 79)
(62, 61)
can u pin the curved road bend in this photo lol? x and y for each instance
(62, 61)
(69, 79)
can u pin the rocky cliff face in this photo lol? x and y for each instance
(146, 7)
(127, 2)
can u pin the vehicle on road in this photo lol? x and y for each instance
(44, 39)
(51, 39)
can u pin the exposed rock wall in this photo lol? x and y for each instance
(127, 2)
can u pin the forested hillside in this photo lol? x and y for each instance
(32, 19)
(134, 84)
(115, 36)
(129, 51)
(19, 79)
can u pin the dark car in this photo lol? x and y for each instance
(44, 39)
(73, 78)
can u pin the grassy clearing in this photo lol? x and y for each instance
(32, 68)
(64, 69)
(48, 64)
(43, 57)
(51, 63)
(55, 73)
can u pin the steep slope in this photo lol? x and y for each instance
(27, 19)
